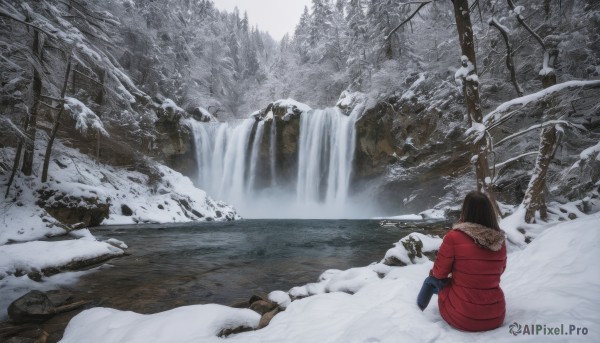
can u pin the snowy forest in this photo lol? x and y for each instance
(126, 112)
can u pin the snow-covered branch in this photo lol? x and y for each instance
(5, 13)
(84, 117)
(517, 12)
(510, 160)
(491, 118)
(539, 126)
(422, 4)
(7, 126)
(587, 153)
(510, 64)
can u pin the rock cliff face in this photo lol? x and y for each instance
(174, 145)
(410, 146)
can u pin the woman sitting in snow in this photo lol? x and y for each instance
(466, 272)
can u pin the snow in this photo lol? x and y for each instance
(546, 71)
(512, 159)
(117, 243)
(334, 280)
(465, 69)
(589, 152)
(518, 10)
(84, 117)
(476, 132)
(39, 255)
(410, 92)
(472, 78)
(22, 220)
(169, 105)
(205, 115)
(557, 124)
(430, 243)
(290, 104)
(403, 217)
(160, 199)
(552, 281)
(198, 323)
(495, 115)
(496, 22)
(433, 214)
(269, 116)
(27, 222)
(281, 298)
(348, 98)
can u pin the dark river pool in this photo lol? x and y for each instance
(223, 262)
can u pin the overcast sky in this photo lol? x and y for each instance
(275, 16)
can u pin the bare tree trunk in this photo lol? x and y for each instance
(510, 64)
(534, 199)
(479, 148)
(27, 167)
(17, 158)
(534, 196)
(56, 122)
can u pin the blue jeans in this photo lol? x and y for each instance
(430, 287)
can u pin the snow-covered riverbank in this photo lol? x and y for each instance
(80, 188)
(120, 195)
(553, 281)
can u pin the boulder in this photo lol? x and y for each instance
(33, 307)
(267, 317)
(126, 210)
(37, 307)
(78, 211)
(262, 306)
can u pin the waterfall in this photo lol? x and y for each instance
(232, 168)
(273, 152)
(254, 157)
(325, 156)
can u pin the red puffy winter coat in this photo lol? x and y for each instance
(476, 257)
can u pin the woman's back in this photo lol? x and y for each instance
(476, 257)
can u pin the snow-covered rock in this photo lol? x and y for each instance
(292, 107)
(198, 323)
(38, 256)
(433, 214)
(412, 249)
(348, 101)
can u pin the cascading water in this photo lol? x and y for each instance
(325, 157)
(232, 168)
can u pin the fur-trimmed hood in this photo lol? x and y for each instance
(483, 236)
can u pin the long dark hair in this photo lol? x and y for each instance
(477, 208)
